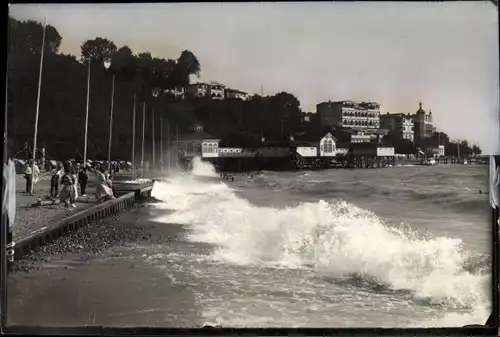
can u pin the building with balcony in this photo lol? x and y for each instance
(360, 138)
(216, 90)
(198, 89)
(400, 125)
(235, 94)
(195, 142)
(176, 92)
(349, 114)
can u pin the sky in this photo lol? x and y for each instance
(444, 54)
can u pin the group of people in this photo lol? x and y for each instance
(68, 181)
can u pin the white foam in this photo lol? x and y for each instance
(203, 169)
(335, 238)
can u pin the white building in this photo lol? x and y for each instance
(216, 90)
(176, 92)
(361, 138)
(328, 146)
(349, 114)
(198, 89)
(235, 94)
(400, 125)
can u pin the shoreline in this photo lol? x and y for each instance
(96, 276)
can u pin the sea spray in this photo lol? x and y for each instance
(331, 237)
(202, 169)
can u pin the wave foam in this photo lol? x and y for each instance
(335, 238)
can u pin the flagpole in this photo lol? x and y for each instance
(161, 142)
(38, 106)
(143, 128)
(111, 123)
(133, 139)
(87, 116)
(153, 138)
(177, 145)
(168, 145)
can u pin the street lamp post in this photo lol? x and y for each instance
(38, 105)
(87, 115)
(107, 64)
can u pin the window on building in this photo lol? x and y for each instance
(205, 148)
(328, 147)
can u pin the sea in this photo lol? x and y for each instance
(406, 246)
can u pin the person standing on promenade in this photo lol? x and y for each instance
(36, 174)
(74, 175)
(28, 175)
(68, 187)
(83, 178)
(54, 181)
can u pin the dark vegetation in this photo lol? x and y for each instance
(149, 78)
(64, 92)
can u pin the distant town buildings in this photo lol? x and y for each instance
(361, 138)
(349, 114)
(236, 94)
(362, 123)
(198, 90)
(215, 90)
(423, 124)
(400, 125)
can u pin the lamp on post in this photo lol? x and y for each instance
(87, 114)
(107, 64)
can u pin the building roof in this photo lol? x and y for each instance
(420, 110)
(236, 91)
(311, 137)
(336, 102)
(395, 115)
(369, 102)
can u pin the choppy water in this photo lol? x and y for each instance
(403, 246)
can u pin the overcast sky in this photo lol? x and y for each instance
(444, 54)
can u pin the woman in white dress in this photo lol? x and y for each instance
(103, 191)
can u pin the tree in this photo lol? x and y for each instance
(404, 146)
(476, 149)
(285, 114)
(187, 64)
(99, 49)
(125, 63)
(161, 71)
(26, 37)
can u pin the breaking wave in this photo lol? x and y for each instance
(334, 237)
